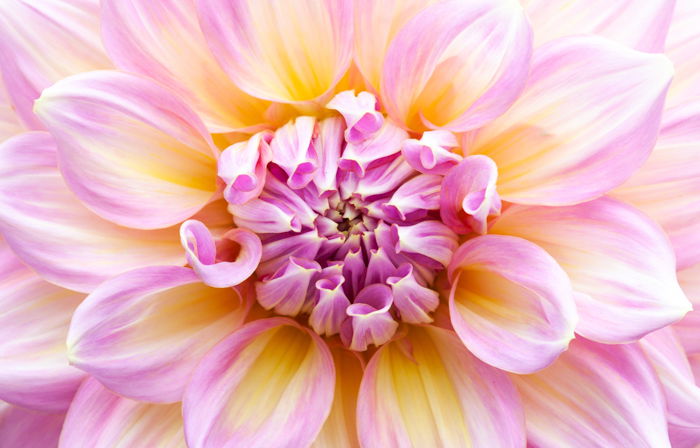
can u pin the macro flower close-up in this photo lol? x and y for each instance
(349, 223)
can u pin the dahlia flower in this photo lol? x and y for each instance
(340, 223)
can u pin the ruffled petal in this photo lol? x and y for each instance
(620, 264)
(142, 333)
(268, 384)
(667, 187)
(162, 39)
(23, 428)
(51, 231)
(428, 390)
(130, 149)
(280, 51)
(470, 70)
(594, 395)
(34, 319)
(32, 34)
(243, 166)
(100, 418)
(640, 24)
(587, 120)
(511, 303)
(370, 320)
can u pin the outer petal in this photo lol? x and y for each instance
(640, 24)
(34, 318)
(594, 395)
(688, 329)
(50, 230)
(280, 51)
(468, 72)
(142, 333)
(162, 39)
(620, 264)
(33, 33)
(428, 390)
(667, 187)
(28, 429)
(9, 122)
(682, 48)
(98, 418)
(511, 303)
(587, 120)
(129, 148)
(340, 429)
(268, 384)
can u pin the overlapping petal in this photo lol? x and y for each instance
(32, 35)
(50, 230)
(99, 418)
(428, 390)
(142, 333)
(9, 122)
(639, 24)
(619, 262)
(594, 395)
(20, 427)
(586, 121)
(511, 303)
(162, 39)
(268, 384)
(280, 51)
(129, 148)
(470, 70)
(34, 318)
(688, 329)
(682, 48)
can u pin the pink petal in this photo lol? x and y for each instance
(293, 151)
(468, 72)
(34, 319)
(667, 187)
(28, 429)
(288, 289)
(328, 313)
(370, 320)
(620, 264)
(682, 48)
(142, 333)
(228, 262)
(9, 121)
(243, 166)
(162, 40)
(362, 119)
(511, 303)
(100, 418)
(268, 384)
(129, 148)
(469, 195)
(432, 154)
(328, 144)
(427, 390)
(413, 300)
(586, 121)
(594, 395)
(688, 329)
(51, 231)
(428, 239)
(280, 51)
(385, 142)
(33, 34)
(640, 24)
(421, 193)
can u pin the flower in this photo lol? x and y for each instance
(349, 223)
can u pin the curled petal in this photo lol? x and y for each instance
(511, 303)
(620, 264)
(20, 427)
(328, 145)
(370, 319)
(470, 70)
(292, 149)
(430, 240)
(413, 300)
(34, 319)
(280, 51)
(51, 231)
(428, 390)
(431, 154)
(640, 24)
(418, 194)
(276, 253)
(142, 333)
(385, 142)
(32, 34)
(162, 40)
(328, 313)
(100, 418)
(469, 195)
(688, 329)
(287, 290)
(211, 263)
(380, 266)
(130, 149)
(243, 166)
(382, 178)
(269, 383)
(362, 119)
(594, 395)
(574, 133)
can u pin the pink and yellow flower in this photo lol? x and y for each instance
(340, 223)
